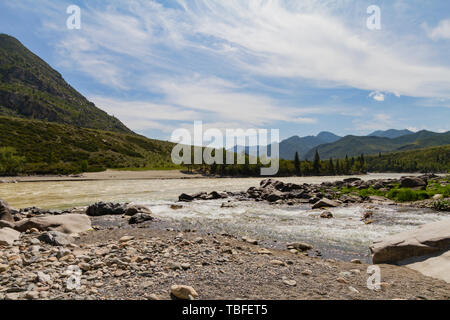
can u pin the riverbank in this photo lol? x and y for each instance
(144, 263)
(107, 175)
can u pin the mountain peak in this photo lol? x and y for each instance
(391, 133)
(30, 88)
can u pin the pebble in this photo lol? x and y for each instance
(126, 239)
(291, 283)
(306, 272)
(183, 292)
(356, 261)
(3, 267)
(277, 262)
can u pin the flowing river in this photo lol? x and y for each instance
(343, 237)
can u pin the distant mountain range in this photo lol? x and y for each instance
(355, 146)
(331, 145)
(392, 133)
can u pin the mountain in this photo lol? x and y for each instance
(392, 133)
(30, 88)
(432, 159)
(294, 144)
(52, 148)
(355, 145)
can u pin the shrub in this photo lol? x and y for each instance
(10, 163)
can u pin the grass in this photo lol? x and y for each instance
(441, 186)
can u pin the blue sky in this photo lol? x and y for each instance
(300, 66)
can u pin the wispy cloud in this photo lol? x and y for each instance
(441, 31)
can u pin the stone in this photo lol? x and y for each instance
(326, 215)
(3, 268)
(306, 272)
(131, 210)
(427, 239)
(185, 198)
(66, 223)
(8, 236)
(56, 238)
(277, 262)
(264, 251)
(126, 239)
(250, 240)
(140, 217)
(43, 278)
(325, 203)
(301, 246)
(412, 182)
(105, 209)
(342, 280)
(7, 224)
(291, 283)
(438, 197)
(435, 266)
(5, 212)
(183, 292)
(32, 295)
(176, 206)
(356, 261)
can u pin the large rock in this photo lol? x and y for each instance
(8, 236)
(134, 209)
(67, 223)
(412, 182)
(56, 238)
(105, 209)
(325, 203)
(435, 266)
(427, 239)
(5, 212)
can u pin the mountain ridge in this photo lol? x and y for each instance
(30, 88)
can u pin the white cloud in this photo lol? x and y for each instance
(441, 31)
(377, 96)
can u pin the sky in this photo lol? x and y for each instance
(298, 66)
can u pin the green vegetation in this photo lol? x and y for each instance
(370, 145)
(435, 159)
(440, 186)
(10, 163)
(50, 148)
(30, 88)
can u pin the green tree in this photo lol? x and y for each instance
(10, 163)
(316, 163)
(297, 164)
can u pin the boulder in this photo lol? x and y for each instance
(427, 239)
(106, 208)
(326, 215)
(185, 198)
(6, 224)
(412, 182)
(8, 236)
(435, 266)
(67, 223)
(301, 246)
(131, 210)
(5, 212)
(325, 203)
(140, 218)
(56, 238)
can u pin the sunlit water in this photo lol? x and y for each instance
(344, 237)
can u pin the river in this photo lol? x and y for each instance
(343, 237)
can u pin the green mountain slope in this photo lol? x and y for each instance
(434, 159)
(56, 148)
(30, 88)
(355, 146)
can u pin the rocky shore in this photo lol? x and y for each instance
(332, 194)
(121, 251)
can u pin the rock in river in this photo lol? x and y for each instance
(325, 203)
